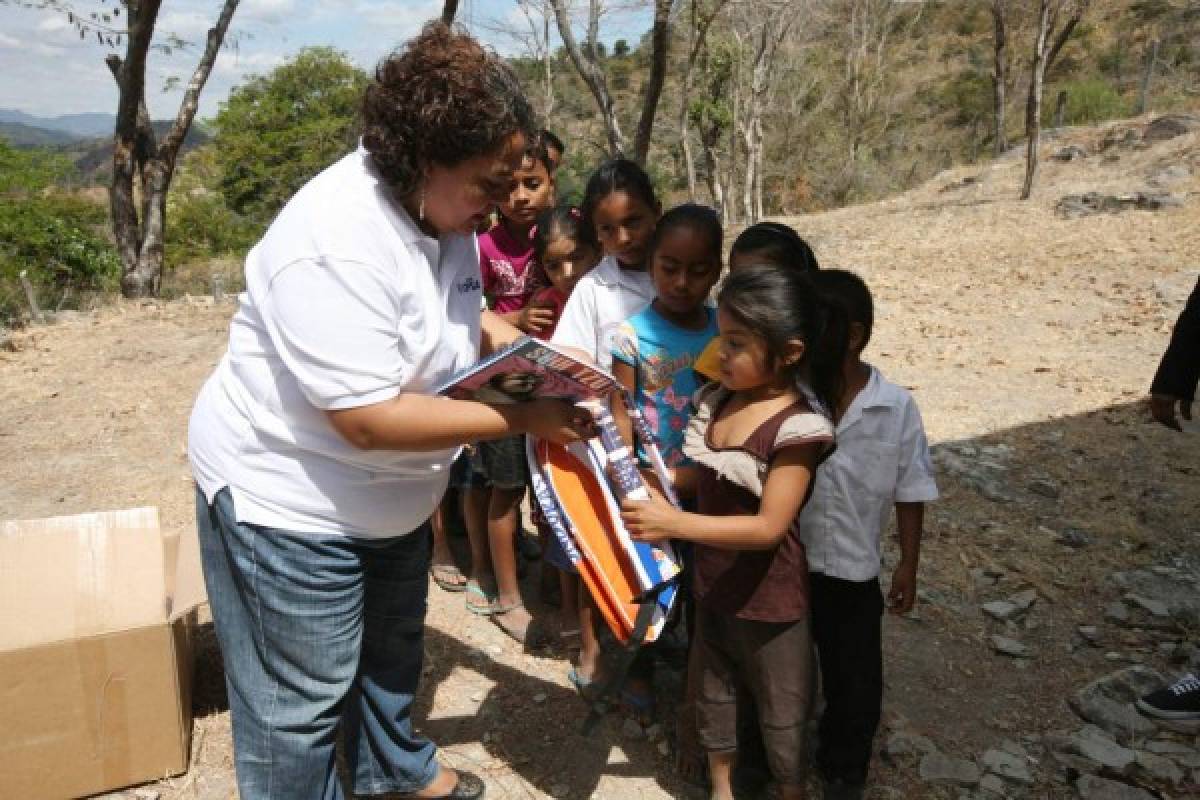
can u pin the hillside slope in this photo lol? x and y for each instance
(1028, 339)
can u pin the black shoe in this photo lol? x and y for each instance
(469, 786)
(1180, 700)
(839, 789)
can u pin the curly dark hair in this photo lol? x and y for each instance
(442, 98)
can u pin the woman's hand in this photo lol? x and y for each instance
(556, 420)
(654, 520)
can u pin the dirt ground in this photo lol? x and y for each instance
(1029, 341)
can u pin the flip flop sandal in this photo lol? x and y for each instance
(487, 607)
(586, 688)
(444, 574)
(468, 787)
(639, 706)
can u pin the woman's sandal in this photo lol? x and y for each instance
(448, 577)
(487, 603)
(468, 786)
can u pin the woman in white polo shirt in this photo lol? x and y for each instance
(319, 452)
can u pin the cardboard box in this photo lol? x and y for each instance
(95, 653)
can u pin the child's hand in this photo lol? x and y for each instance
(535, 319)
(652, 520)
(903, 593)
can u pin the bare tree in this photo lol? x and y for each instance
(701, 16)
(999, 75)
(866, 35)
(589, 64)
(712, 115)
(1050, 14)
(136, 153)
(1147, 74)
(533, 35)
(762, 26)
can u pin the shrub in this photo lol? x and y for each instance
(58, 240)
(277, 131)
(1088, 102)
(201, 226)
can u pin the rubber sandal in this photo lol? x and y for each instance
(586, 688)
(640, 706)
(469, 786)
(443, 575)
(484, 609)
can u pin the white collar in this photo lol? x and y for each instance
(877, 393)
(607, 273)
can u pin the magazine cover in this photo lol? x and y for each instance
(530, 369)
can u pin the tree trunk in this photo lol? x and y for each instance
(689, 163)
(712, 176)
(999, 78)
(1033, 104)
(758, 171)
(140, 237)
(547, 69)
(1060, 108)
(1144, 93)
(652, 92)
(449, 9)
(1048, 11)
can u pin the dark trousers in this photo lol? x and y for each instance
(847, 631)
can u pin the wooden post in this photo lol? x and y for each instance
(1144, 94)
(30, 297)
(1060, 108)
(218, 289)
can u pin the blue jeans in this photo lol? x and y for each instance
(317, 632)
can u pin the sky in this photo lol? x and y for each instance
(46, 70)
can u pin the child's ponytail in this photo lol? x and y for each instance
(827, 351)
(783, 306)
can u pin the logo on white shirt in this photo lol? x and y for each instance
(469, 284)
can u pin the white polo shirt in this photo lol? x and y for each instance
(347, 304)
(600, 302)
(882, 457)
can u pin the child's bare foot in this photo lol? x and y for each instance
(515, 620)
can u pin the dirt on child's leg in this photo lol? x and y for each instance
(589, 641)
(474, 512)
(502, 520)
(720, 774)
(691, 763)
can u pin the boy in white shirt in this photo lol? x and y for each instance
(882, 458)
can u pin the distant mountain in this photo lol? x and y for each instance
(21, 135)
(78, 126)
(92, 155)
